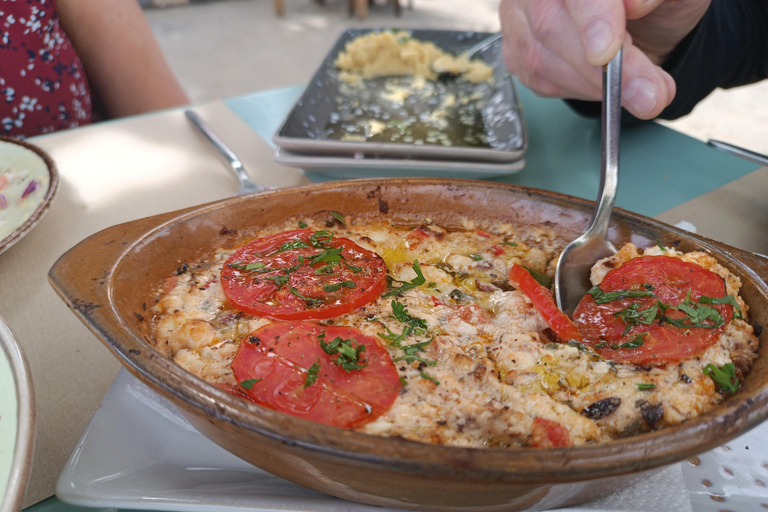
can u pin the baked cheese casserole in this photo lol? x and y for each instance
(451, 336)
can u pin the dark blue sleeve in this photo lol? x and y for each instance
(728, 48)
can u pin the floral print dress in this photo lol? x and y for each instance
(43, 86)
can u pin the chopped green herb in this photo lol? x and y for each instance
(476, 257)
(339, 217)
(401, 314)
(325, 270)
(294, 268)
(310, 301)
(728, 299)
(583, 348)
(393, 338)
(632, 315)
(302, 224)
(427, 377)
(635, 342)
(318, 238)
(403, 381)
(329, 255)
(279, 281)
(348, 353)
(239, 265)
(411, 351)
(658, 243)
(413, 325)
(725, 376)
(511, 244)
(249, 383)
(338, 286)
(645, 386)
(353, 268)
(601, 297)
(543, 280)
(295, 244)
(697, 315)
(407, 285)
(312, 372)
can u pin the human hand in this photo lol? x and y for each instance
(558, 47)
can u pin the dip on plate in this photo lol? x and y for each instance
(25, 180)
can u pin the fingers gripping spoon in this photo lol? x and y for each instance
(576, 260)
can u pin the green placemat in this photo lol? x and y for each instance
(659, 167)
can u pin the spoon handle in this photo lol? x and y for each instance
(609, 165)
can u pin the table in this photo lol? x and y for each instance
(126, 169)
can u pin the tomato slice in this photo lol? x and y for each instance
(610, 329)
(549, 434)
(283, 366)
(302, 274)
(544, 303)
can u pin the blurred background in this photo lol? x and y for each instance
(225, 48)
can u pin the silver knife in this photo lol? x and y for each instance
(740, 152)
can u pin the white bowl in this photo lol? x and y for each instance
(17, 421)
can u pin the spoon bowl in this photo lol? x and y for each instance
(576, 260)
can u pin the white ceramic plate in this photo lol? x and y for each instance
(349, 167)
(17, 421)
(28, 184)
(138, 453)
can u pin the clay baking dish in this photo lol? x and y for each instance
(107, 280)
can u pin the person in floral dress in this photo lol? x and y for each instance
(68, 63)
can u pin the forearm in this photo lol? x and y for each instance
(124, 63)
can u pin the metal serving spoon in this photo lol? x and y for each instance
(246, 184)
(576, 260)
